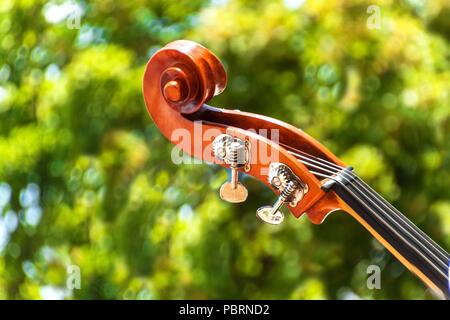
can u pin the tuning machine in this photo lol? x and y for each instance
(291, 189)
(235, 153)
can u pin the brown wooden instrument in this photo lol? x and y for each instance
(181, 77)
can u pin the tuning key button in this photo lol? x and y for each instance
(233, 194)
(270, 216)
(273, 215)
(234, 152)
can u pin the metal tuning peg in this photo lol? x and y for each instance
(234, 152)
(291, 188)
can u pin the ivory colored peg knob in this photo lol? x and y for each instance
(234, 194)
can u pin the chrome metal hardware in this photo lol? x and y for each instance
(291, 188)
(235, 153)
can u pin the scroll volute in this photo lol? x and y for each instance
(181, 77)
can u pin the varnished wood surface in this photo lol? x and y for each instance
(178, 82)
(195, 70)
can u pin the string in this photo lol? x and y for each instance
(406, 223)
(321, 166)
(392, 220)
(379, 218)
(411, 236)
(367, 188)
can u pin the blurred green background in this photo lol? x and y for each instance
(86, 178)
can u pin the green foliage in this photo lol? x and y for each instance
(86, 178)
